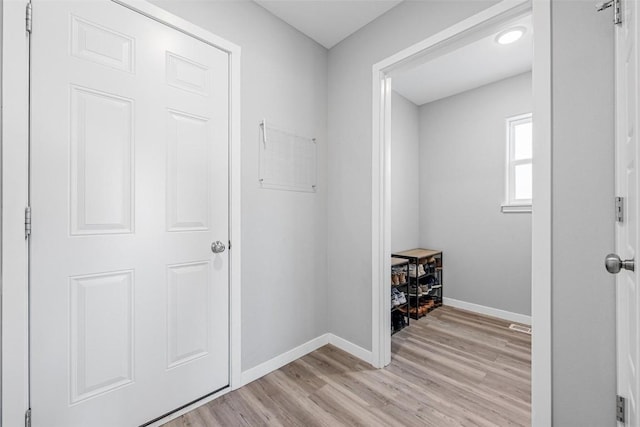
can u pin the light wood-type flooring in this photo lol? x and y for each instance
(450, 368)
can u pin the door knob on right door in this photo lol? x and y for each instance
(614, 264)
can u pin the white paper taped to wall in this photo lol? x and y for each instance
(287, 161)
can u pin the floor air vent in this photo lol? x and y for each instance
(520, 328)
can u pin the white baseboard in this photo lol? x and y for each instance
(278, 362)
(351, 348)
(489, 311)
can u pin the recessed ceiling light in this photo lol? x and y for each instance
(511, 35)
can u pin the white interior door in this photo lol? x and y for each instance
(129, 188)
(627, 292)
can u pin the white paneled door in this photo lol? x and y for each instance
(628, 294)
(129, 188)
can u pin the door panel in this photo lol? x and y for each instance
(129, 188)
(101, 45)
(101, 162)
(189, 182)
(101, 333)
(188, 305)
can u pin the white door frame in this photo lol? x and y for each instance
(15, 175)
(541, 215)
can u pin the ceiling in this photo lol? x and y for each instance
(468, 67)
(328, 22)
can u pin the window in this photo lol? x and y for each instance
(519, 167)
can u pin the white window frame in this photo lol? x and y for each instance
(512, 204)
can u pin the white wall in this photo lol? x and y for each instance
(284, 79)
(583, 293)
(405, 182)
(487, 253)
(349, 166)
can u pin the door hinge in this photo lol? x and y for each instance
(620, 408)
(29, 17)
(617, 12)
(617, 9)
(619, 209)
(27, 222)
(27, 418)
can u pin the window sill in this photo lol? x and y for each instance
(526, 208)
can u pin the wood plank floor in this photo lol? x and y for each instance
(451, 368)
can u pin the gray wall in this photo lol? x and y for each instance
(583, 304)
(349, 166)
(284, 265)
(583, 344)
(462, 175)
(405, 182)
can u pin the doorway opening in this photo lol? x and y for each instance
(487, 24)
(461, 179)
